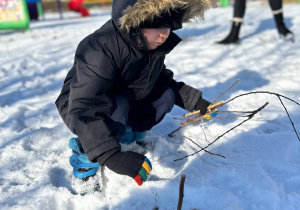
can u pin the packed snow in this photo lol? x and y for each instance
(261, 170)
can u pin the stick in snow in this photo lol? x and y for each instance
(181, 192)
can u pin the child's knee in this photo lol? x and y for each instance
(171, 97)
(168, 99)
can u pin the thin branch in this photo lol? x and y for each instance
(171, 134)
(204, 133)
(233, 116)
(225, 91)
(234, 111)
(189, 121)
(200, 146)
(262, 92)
(184, 118)
(289, 118)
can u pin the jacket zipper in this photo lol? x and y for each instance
(149, 61)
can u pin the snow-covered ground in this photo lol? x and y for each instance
(262, 166)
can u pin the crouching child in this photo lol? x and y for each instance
(119, 86)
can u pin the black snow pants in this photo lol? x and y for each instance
(143, 114)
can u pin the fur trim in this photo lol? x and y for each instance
(147, 9)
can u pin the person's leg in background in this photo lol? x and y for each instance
(276, 6)
(237, 20)
(76, 6)
(33, 10)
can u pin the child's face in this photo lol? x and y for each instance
(155, 37)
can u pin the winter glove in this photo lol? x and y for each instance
(144, 173)
(202, 105)
(132, 164)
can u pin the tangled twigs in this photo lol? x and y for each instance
(249, 117)
(198, 118)
(279, 97)
(210, 108)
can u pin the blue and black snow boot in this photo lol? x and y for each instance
(82, 167)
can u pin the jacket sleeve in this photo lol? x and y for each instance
(89, 106)
(186, 96)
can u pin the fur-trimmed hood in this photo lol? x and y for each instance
(131, 13)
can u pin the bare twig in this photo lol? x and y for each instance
(204, 133)
(225, 91)
(181, 192)
(234, 111)
(189, 121)
(261, 92)
(198, 118)
(289, 118)
(200, 146)
(249, 117)
(184, 118)
(171, 134)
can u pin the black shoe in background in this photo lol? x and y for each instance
(233, 36)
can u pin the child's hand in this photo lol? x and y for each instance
(144, 173)
(131, 164)
(202, 105)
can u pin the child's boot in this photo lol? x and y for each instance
(233, 36)
(84, 171)
(82, 167)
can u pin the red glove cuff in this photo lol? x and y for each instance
(144, 172)
(138, 179)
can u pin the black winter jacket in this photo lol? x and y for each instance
(108, 61)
